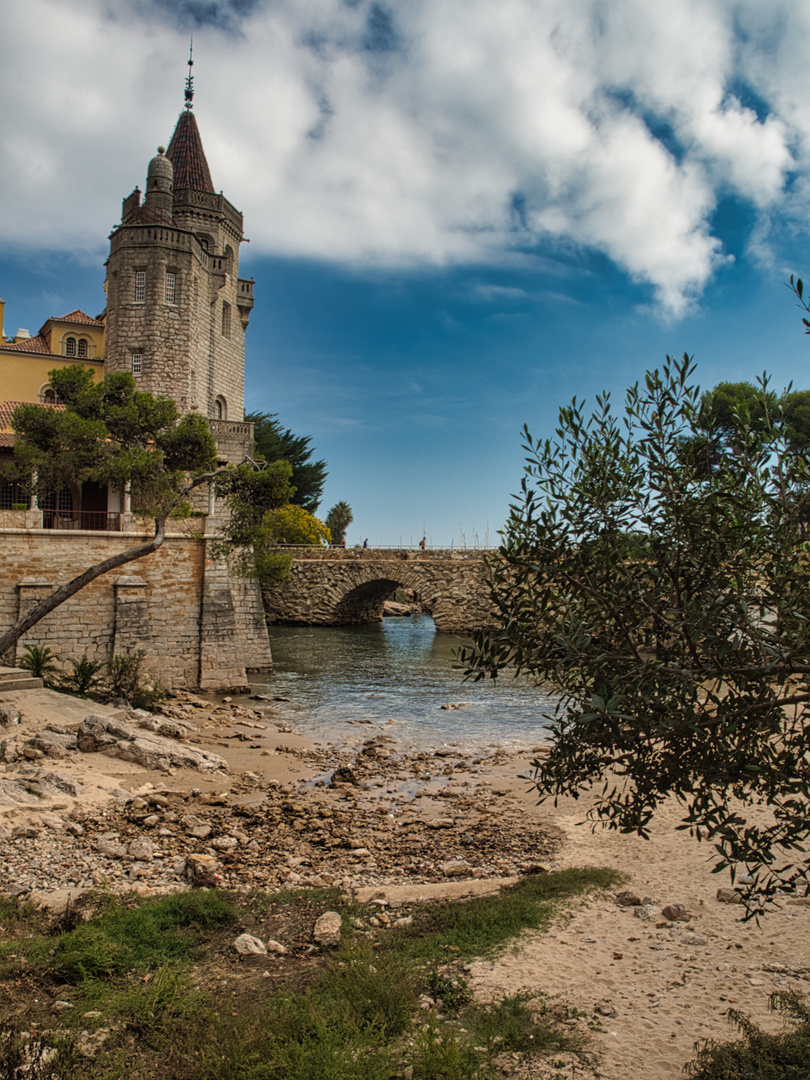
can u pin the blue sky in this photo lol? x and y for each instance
(461, 213)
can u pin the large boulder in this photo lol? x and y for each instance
(108, 735)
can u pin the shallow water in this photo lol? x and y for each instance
(396, 675)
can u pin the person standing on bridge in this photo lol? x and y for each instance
(422, 543)
(365, 542)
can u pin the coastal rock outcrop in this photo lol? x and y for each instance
(111, 736)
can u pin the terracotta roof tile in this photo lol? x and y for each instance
(36, 344)
(81, 318)
(7, 409)
(188, 157)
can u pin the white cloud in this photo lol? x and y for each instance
(417, 131)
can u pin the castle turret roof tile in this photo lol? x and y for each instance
(188, 157)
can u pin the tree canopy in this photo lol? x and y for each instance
(273, 442)
(110, 432)
(667, 604)
(338, 520)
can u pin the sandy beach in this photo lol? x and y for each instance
(396, 825)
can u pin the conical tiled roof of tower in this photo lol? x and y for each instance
(188, 157)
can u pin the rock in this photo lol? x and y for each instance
(142, 849)
(694, 939)
(727, 896)
(108, 735)
(276, 947)
(455, 868)
(54, 742)
(111, 848)
(248, 945)
(675, 913)
(201, 871)
(645, 912)
(200, 832)
(224, 843)
(441, 823)
(327, 929)
(343, 775)
(8, 715)
(628, 899)
(9, 750)
(391, 607)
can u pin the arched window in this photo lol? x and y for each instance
(81, 347)
(70, 346)
(220, 409)
(47, 395)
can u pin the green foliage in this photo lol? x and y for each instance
(250, 493)
(84, 675)
(294, 525)
(274, 443)
(110, 432)
(681, 661)
(144, 935)
(759, 1056)
(485, 923)
(173, 1000)
(338, 520)
(124, 673)
(125, 679)
(39, 660)
(453, 990)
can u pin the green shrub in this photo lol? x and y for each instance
(759, 1056)
(39, 660)
(84, 677)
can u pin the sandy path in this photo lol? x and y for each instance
(667, 985)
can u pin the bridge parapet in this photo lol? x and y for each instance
(353, 554)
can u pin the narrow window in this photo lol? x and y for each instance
(140, 286)
(70, 346)
(137, 363)
(220, 409)
(192, 387)
(81, 347)
(226, 320)
(171, 281)
(49, 396)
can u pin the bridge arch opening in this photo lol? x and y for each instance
(364, 603)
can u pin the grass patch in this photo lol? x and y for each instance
(173, 1000)
(140, 935)
(486, 923)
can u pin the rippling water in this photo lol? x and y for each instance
(400, 671)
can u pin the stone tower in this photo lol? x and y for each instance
(177, 309)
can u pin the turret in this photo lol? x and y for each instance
(160, 187)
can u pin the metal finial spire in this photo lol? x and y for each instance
(190, 77)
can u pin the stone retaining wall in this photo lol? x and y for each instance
(201, 626)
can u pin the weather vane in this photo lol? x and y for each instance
(190, 77)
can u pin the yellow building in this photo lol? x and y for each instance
(25, 360)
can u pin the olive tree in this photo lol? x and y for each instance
(668, 604)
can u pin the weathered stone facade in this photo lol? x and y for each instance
(331, 587)
(200, 625)
(177, 309)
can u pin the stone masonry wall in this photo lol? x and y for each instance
(331, 588)
(199, 625)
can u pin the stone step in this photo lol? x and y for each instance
(17, 679)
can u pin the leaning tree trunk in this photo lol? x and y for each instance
(64, 592)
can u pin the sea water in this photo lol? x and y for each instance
(348, 682)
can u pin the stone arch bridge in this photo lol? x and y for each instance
(340, 586)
